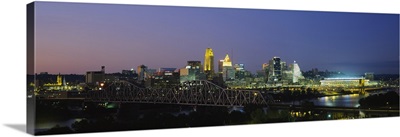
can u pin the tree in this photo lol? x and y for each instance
(257, 117)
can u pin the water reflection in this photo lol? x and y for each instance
(339, 101)
(350, 100)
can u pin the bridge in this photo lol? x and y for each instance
(202, 93)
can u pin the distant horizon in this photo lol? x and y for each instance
(73, 38)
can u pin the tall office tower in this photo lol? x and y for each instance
(228, 71)
(209, 63)
(277, 68)
(240, 72)
(194, 64)
(227, 61)
(141, 70)
(191, 72)
(195, 69)
(220, 67)
(297, 75)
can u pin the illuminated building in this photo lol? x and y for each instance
(239, 67)
(60, 85)
(240, 72)
(275, 70)
(345, 82)
(209, 63)
(220, 67)
(227, 61)
(95, 77)
(163, 78)
(191, 72)
(228, 73)
(277, 67)
(142, 70)
(194, 64)
(195, 69)
(59, 81)
(287, 77)
(297, 75)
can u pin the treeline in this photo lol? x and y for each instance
(127, 119)
(387, 100)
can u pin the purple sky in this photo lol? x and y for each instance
(75, 38)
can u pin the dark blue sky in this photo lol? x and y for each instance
(75, 38)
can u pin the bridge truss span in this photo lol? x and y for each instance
(188, 93)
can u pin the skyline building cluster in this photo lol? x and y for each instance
(277, 71)
(274, 73)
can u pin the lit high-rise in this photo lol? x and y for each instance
(275, 70)
(228, 71)
(209, 63)
(220, 67)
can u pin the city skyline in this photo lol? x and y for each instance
(74, 38)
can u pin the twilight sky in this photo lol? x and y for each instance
(75, 38)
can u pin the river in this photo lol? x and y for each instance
(350, 100)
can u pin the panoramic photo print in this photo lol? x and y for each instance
(111, 67)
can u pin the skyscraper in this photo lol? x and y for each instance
(228, 71)
(227, 61)
(277, 68)
(209, 63)
(141, 70)
(194, 64)
(220, 67)
(195, 69)
(191, 72)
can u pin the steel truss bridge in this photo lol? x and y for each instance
(202, 93)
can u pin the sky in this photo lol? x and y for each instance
(72, 38)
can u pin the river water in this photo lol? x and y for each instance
(339, 101)
(350, 100)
